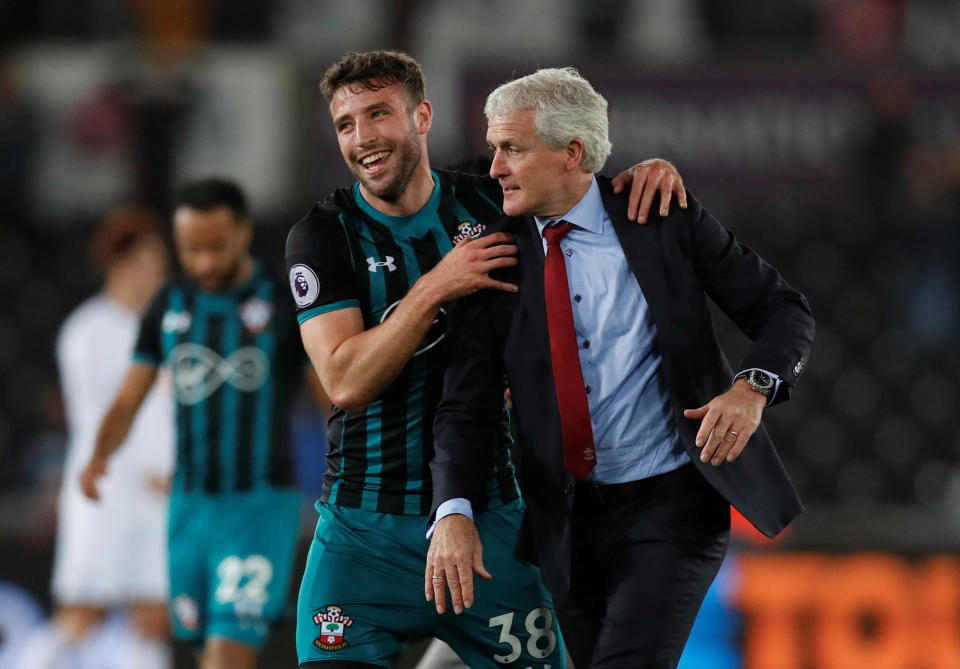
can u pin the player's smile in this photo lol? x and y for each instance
(373, 162)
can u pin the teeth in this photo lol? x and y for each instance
(374, 157)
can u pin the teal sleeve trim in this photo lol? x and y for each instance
(304, 316)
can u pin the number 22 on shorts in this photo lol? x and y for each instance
(243, 582)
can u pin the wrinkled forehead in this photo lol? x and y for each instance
(367, 91)
(517, 125)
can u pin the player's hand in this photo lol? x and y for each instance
(455, 554)
(466, 268)
(727, 423)
(646, 179)
(161, 484)
(96, 468)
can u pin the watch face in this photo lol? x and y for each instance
(760, 381)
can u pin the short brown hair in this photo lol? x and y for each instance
(374, 70)
(120, 232)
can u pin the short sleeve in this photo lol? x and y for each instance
(319, 267)
(148, 349)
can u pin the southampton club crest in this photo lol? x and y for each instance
(186, 612)
(333, 624)
(255, 315)
(466, 230)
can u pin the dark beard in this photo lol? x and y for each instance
(229, 278)
(410, 154)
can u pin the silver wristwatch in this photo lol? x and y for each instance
(762, 383)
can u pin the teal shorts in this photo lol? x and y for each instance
(231, 560)
(362, 597)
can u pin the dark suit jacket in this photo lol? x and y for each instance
(679, 260)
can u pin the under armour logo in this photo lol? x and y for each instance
(372, 264)
(198, 371)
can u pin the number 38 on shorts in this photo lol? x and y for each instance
(541, 640)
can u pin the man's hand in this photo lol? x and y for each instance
(96, 468)
(727, 422)
(646, 180)
(455, 554)
(466, 269)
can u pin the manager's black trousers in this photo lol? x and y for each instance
(644, 556)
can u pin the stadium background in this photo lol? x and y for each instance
(825, 133)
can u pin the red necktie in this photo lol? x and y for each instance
(579, 454)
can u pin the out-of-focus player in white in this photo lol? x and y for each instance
(112, 554)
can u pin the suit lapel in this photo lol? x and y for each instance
(641, 247)
(530, 251)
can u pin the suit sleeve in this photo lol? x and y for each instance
(468, 422)
(753, 294)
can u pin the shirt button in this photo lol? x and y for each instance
(588, 389)
(569, 252)
(568, 489)
(586, 343)
(577, 298)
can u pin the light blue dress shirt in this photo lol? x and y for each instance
(634, 430)
(630, 408)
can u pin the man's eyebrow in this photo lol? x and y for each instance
(366, 110)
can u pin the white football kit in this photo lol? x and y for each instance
(114, 550)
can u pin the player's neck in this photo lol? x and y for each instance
(413, 199)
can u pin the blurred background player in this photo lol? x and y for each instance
(113, 554)
(228, 333)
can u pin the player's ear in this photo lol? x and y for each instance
(245, 233)
(424, 116)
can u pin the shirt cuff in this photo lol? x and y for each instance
(459, 505)
(776, 384)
